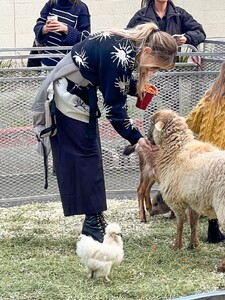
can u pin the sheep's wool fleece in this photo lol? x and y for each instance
(191, 172)
(207, 120)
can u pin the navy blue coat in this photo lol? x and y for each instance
(178, 21)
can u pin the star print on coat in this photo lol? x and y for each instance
(122, 55)
(123, 84)
(100, 35)
(129, 123)
(108, 111)
(80, 59)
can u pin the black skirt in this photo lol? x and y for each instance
(78, 165)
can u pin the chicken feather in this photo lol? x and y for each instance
(100, 258)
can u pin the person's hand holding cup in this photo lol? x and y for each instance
(180, 39)
(146, 97)
(53, 25)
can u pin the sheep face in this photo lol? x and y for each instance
(164, 124)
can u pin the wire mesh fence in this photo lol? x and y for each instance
(22, 171)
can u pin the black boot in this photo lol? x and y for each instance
(214, 233)
(94, 226)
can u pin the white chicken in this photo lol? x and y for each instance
(99, 258)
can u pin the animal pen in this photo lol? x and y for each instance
(22, 169)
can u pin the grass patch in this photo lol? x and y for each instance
(38, 260)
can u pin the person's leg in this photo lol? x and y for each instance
(94, 225)
(80, 177)
(214, 233)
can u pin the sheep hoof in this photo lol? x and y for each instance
(192, 246)
(178, 246)
(143, 221)
(221, 269)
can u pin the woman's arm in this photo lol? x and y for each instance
(81, 30)
(192, 30)
(40, 33)
(115, 80)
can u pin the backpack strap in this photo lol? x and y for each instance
(45, 156)
(51, 130)
(94, 112)
(50, 122)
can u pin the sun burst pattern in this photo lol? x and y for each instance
(123, 84)
(108, 111)
(100, 36)
(129, 123)
(81, 59)
(122, 55)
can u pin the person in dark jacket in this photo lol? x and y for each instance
(61, 23)
(106, 61)
(172, 19)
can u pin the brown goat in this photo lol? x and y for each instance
(147, 177)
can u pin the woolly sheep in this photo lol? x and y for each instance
(191, 174)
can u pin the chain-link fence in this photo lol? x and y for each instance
(22, 171)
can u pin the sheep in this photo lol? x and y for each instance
(147, 178)
(191, 174)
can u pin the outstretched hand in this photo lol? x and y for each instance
(144, 143)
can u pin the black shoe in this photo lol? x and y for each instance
(94, 226)
(214, 233)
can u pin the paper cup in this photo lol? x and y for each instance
(147, 95)
(52, 18)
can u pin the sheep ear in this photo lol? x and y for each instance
(159, 125)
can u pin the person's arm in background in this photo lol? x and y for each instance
(38, 28)
(82, 30)
(193, 31)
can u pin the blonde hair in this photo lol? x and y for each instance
(163, 47)
(217, 90)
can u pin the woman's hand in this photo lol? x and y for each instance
(144, 143)
(54, 26)
(181, 40)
